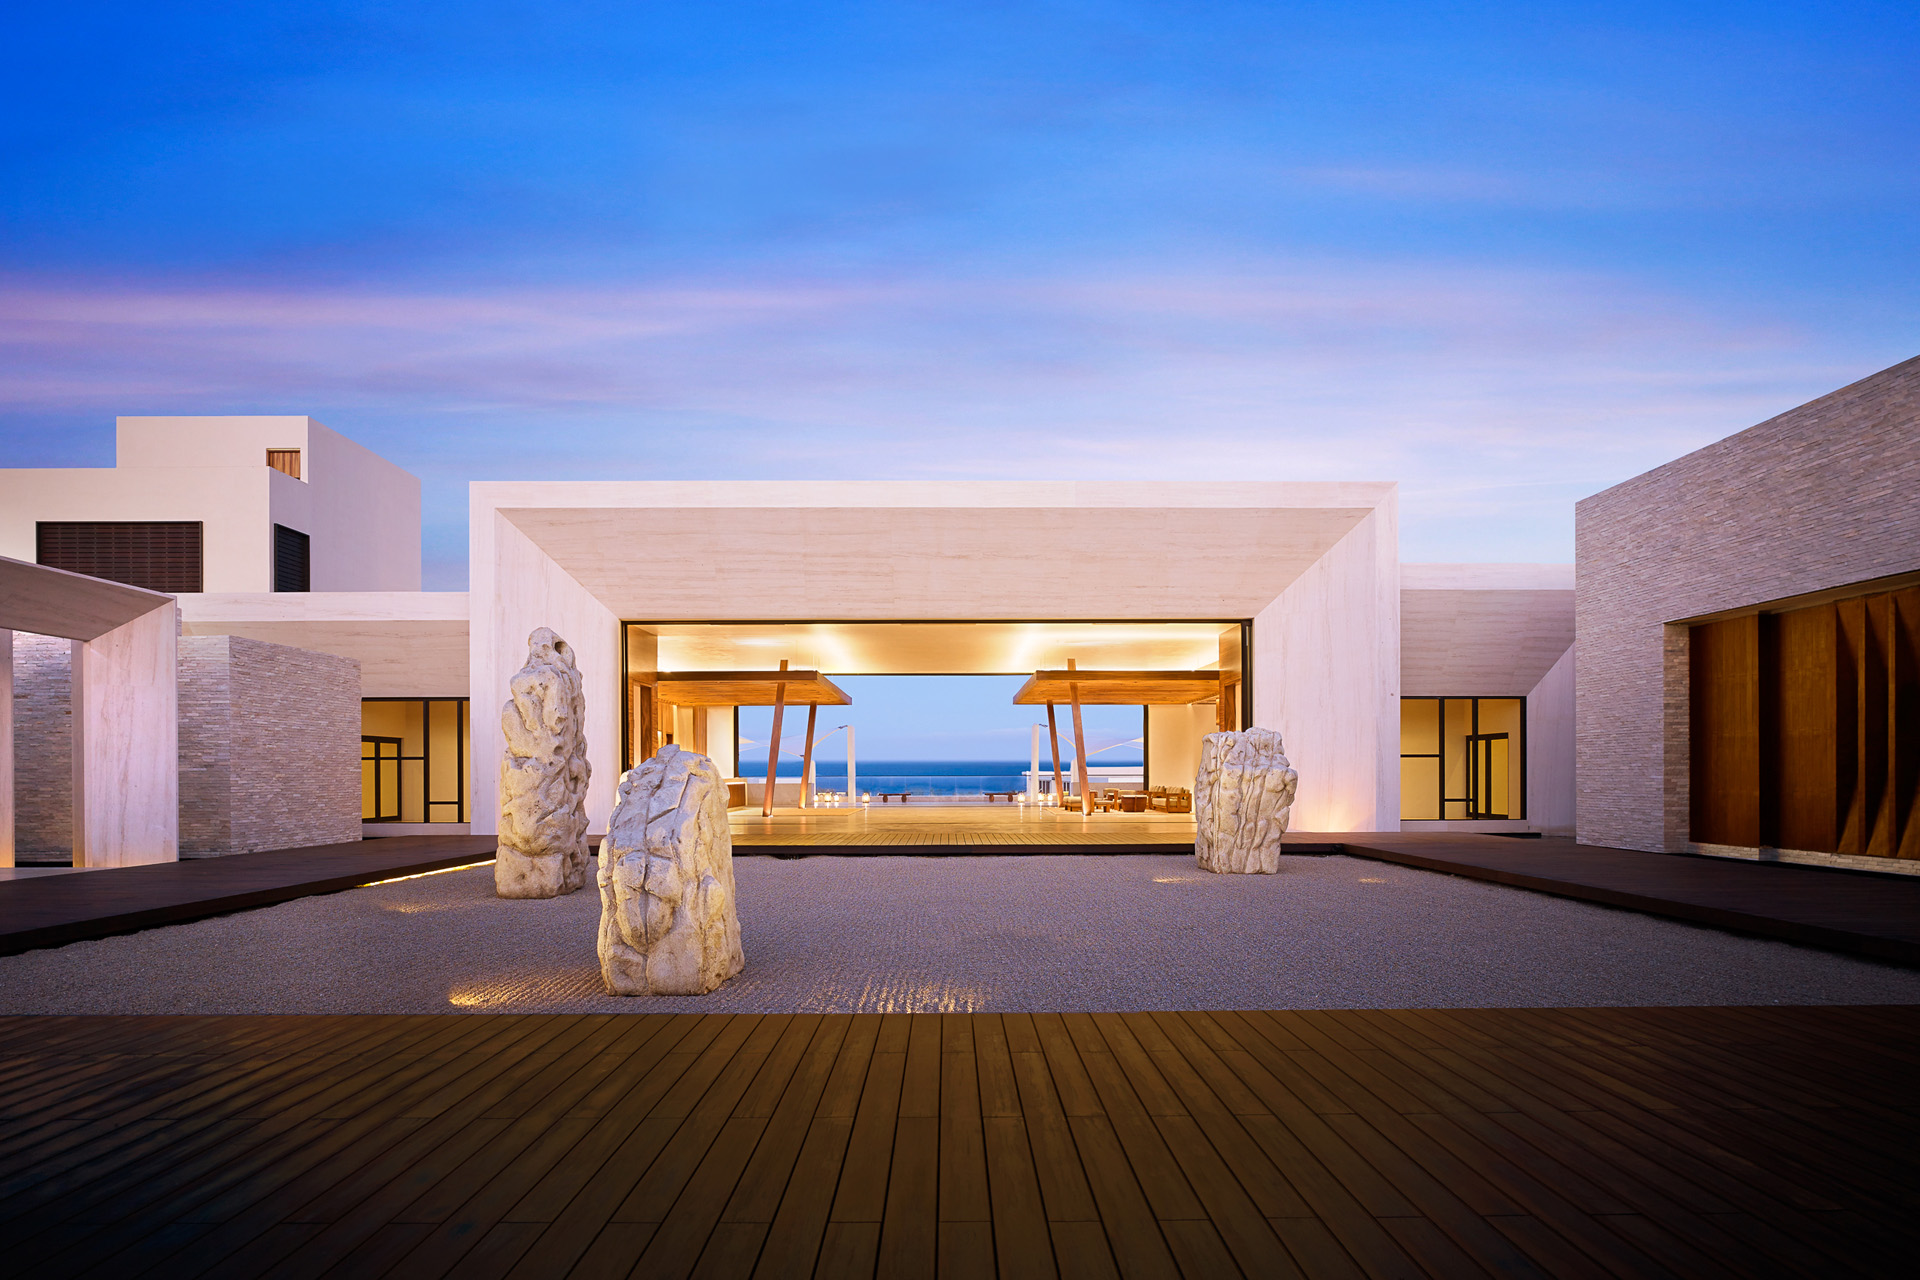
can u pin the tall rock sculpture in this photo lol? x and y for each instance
(543, 776)
(1241, 801)
(668, 923)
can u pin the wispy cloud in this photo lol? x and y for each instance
(1482, 389)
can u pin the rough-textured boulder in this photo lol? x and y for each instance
(1241, 801)
(668, 923)
(543, 777)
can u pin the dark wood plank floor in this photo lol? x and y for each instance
(50, 911)
(1864, 913)
(1557, 1142)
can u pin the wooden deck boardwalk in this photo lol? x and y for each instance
(52, 910)
(1859, 912)
(1547, 1142)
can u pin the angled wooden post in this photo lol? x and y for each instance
(1053, 735)
(1079, 746)
(773, 748)
(806, 761)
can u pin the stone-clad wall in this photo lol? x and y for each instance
(269, 747)
(296, 747)
(205, 733)
(42, 746)
(1822, 496)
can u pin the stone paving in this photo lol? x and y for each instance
(891, 934)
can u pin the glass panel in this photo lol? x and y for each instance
(1419, 787)
(1495, 787)
(1419, 726)
(412, 789)
(1455, 727)
(1508, 716)
(367, 778)
(443, 782)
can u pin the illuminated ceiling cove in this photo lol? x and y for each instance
(936, 648)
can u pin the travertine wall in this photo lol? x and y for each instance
(206, 736)
(1822, 496)
(269, 747)
(42, 746)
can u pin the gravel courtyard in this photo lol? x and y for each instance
(892, 934)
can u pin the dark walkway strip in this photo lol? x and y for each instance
(50, 911)
(1532, 1142)
(1864, 913)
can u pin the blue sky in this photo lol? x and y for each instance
(1505, 254)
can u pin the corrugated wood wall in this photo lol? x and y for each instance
(1806, 728)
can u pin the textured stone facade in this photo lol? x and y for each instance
(1822, 496)
(269, 747)
(42, 747)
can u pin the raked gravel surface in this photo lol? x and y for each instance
(904, 934)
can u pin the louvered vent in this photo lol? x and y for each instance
(160, 555)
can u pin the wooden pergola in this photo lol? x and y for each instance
(1110, 689)
(758, 689)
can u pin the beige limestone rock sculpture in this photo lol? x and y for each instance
(543, 776)
(1241, 801)
(668, 921)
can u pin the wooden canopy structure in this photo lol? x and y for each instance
(1119, 688)
(749, 689)
(1109, 689)
(758, 689)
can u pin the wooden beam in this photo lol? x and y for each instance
(747, 688)
(773, 747)
(1121, 688)
(1079, 746)
(806, 761)
(1053, 735)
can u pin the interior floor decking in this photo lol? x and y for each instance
(1542, 1142)
(982, 826)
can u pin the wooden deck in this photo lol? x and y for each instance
(1859, 912)
(52, 910)
(1560, 1142)
(960, 829)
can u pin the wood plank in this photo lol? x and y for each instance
(749, 688)
(1508, 1142)
(1118, 688)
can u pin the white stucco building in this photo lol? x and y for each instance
(279, 530)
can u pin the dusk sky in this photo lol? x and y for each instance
(1504, 254)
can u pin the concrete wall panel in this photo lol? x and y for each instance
(516, 589)
(1326, 674)
(126, 775)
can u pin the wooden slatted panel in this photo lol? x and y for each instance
(1724, 688)
(160, 555)
(1712, 1142)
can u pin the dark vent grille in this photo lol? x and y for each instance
(160, 555)
(292, 560)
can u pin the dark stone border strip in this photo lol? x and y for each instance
(51, 911)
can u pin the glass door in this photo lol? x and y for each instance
(379, 779)
(1487, 775)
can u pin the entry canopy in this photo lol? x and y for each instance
(749, 689)
(1119, 688)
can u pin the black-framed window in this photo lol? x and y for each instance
(1463, 759)
(427, 778)
(160, 555)
(379, 779)
(292, 560)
